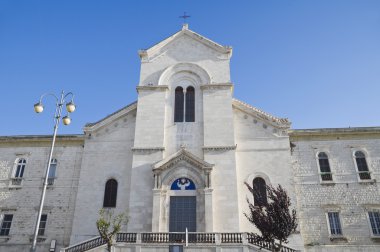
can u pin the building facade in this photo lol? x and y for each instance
(179, 157)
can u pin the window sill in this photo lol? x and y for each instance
(328, 182)
(338, 238)
(40, 238)
(4, 238)
(375, 237)
(367, 181)
(14, 187)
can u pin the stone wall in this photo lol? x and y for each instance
(346, 194)
(23, 201)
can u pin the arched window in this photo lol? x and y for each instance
(21, 164)
(324, 166)
(178, 105)
(110, 193)
(190, 104)
(259, 192)
(362, 166)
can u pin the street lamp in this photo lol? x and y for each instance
(38, 108)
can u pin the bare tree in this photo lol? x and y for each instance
(109, 225)
(273, 218)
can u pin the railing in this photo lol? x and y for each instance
(16, 181)
(178, 237)
(126, 237)
(231, 238)
(252, 239)
(90, 244)
(51, 181)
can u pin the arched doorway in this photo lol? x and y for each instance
(182, 212)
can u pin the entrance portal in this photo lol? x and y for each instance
(182, 214)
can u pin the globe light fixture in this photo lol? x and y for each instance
(66, 120)
(38, 107)
(70, 107)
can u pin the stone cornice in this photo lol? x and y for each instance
(219, 148)
(73, 139)
(152, 88)
(214, 86)
(334, 133)
(282, 123)
(147, 149)
(147, 54)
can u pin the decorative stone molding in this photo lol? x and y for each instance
(152, 88)
(182, 155)
(281, 123)
(147, 149)
(216, 86)
(90, 127)
(219, 148)
(199, 74)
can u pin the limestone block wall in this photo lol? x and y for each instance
(23, 201)
(107, 154)
(347, 195)
(262, 151)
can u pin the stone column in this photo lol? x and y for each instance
(156, 213)
(209, 222)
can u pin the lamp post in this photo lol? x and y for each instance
(38, 108)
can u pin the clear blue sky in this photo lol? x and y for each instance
(315, 62)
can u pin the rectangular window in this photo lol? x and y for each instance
(374, 219)
(52, 170)
(6, 224)
(335, 228)
(41, 230)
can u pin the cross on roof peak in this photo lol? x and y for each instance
(184, 16)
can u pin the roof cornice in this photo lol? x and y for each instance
(335, 132)
(145, 54)
(282, 123)
(104, 121)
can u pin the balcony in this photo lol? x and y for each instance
(192, 240)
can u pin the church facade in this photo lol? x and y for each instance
(178, 158)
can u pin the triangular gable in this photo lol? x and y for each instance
(110, 118)
(180, 155)
(185, 31)
(282, 123)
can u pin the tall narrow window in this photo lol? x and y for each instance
(110, 193)
(334, 222)
(52, 170)
(361, 163)
(6, 224)
(43, 221)
(374, 219)
(259, 192)
(190, 104)
(324, 166)
(19, 172)
(21, 164)
(178, 105)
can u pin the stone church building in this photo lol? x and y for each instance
(178, 158)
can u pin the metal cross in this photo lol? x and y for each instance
(184, 17)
